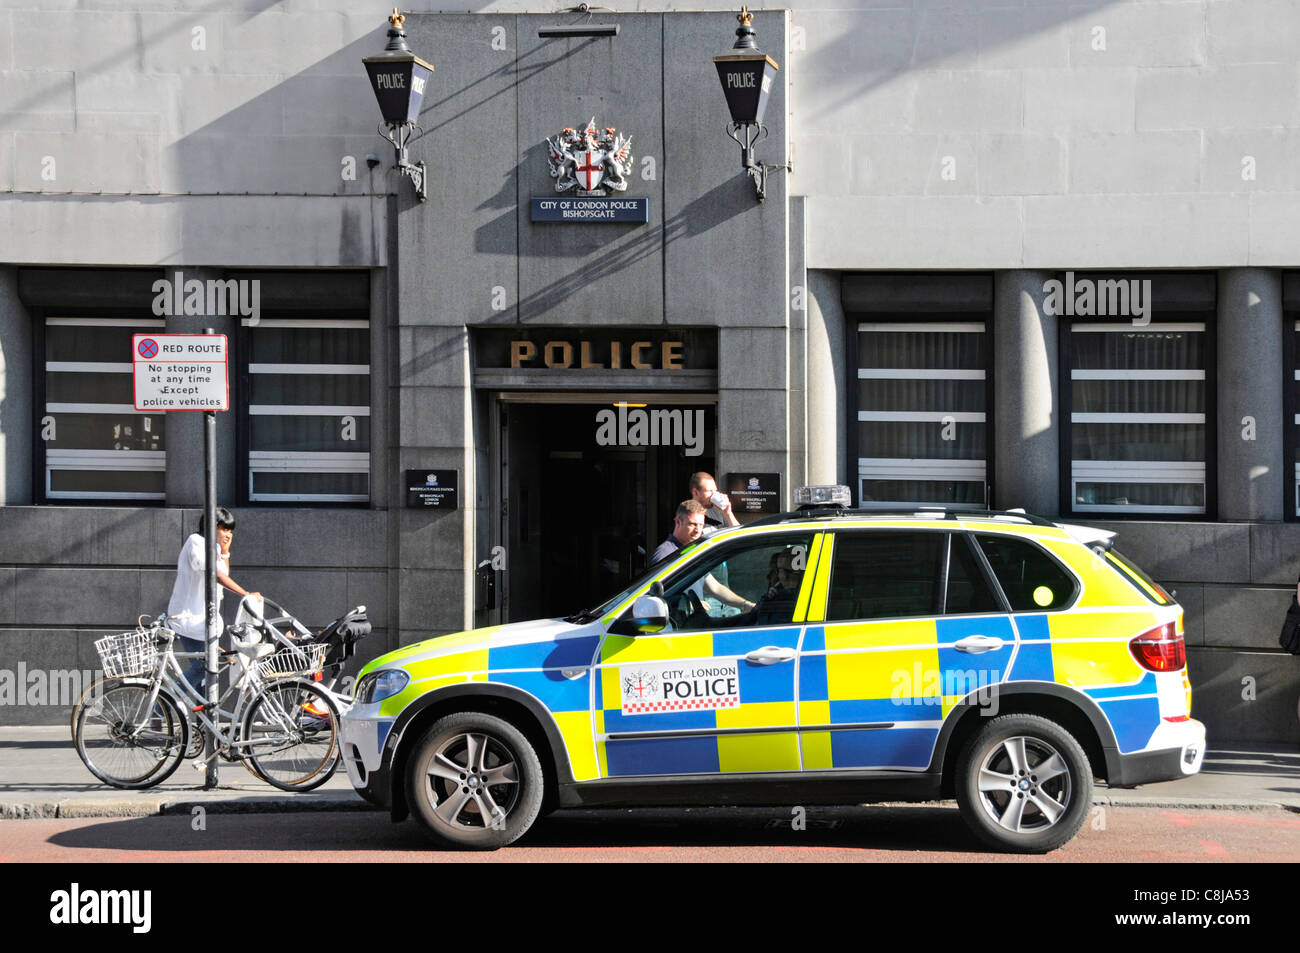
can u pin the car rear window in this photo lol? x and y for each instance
(1032, 580)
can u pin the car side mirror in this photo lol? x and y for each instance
(650, 614)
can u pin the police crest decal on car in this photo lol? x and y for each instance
(674, 687)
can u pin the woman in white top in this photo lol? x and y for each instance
(187, 610)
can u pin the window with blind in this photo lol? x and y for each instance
(1138, 420)
(1294, 403)
(97, 446)
(922, 398)
(308, 433)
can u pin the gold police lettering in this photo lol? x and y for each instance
(589, 355)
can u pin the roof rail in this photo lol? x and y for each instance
(938, 512)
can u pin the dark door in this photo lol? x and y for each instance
(582, 514)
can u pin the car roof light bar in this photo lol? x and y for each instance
(822, 495)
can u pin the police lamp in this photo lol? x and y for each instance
(398, 78)
(747, 74)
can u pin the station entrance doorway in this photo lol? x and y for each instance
(586, 488)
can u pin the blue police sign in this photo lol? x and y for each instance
(575, 210)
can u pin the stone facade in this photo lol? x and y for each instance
(1013, 140)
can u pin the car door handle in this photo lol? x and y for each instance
(977, 644)
(769, 655)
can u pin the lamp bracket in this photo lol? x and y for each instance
(747, 134)
(401, 135)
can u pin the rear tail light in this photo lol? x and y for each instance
(1160, 650)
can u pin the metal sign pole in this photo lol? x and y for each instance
(190, 372)
(210, 581)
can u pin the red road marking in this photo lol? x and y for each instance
(608, 849)
(840, 849)
(1185, 821)
(1280, 822)
(1213, 848)
(169, 855)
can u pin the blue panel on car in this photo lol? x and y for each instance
(896, 748)
(663, 756)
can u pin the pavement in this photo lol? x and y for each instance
(42, 777)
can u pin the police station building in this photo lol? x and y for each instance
(984, 254)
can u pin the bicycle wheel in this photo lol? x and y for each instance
(94, 690)
(291, 735)
(123, 739)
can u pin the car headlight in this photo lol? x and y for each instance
(377, 686)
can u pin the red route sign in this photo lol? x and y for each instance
(181, 372)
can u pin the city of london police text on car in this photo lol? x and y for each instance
(825, 656)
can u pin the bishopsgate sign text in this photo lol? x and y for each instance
(591, 209)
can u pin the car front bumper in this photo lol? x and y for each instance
(364, 736)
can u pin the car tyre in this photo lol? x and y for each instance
(474, 782)
(1024, 784)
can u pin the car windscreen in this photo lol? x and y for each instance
(596, 612)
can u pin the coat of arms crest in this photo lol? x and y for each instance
(590, 160)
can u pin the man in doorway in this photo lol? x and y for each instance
(718, 514)
(688, 526)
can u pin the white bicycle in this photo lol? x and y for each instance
(131, 730)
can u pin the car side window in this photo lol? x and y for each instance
(885, 575)
(1032, 580)
(968, 587)
(746, 584)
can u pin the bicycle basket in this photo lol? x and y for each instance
(128, 653)
(289, 662)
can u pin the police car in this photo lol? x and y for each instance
(854, 656)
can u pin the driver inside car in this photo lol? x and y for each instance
(776, 606)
